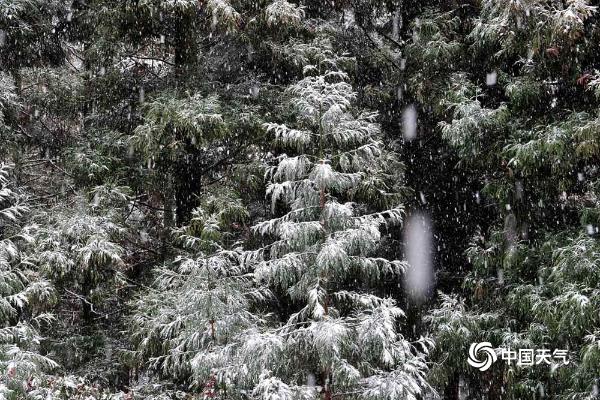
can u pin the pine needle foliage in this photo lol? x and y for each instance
(24, 296)
(518, 108)
(202, 303)
(335, 185)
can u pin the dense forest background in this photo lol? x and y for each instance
(298, 200)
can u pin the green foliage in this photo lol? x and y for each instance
(78, 246)
(326, 238)
(213, 179)
(517, 107)
(171, 124)
(31, 33)
(200, 304)
(24, 296)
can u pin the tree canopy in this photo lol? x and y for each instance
(282, 200)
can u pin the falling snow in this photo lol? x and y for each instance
(409, 123)
(418, 248)
(212, 199)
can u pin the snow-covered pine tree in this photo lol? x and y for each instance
(24, 296)
(336, 189)
(78, 250)
(202, 302)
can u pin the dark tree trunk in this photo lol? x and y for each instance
(186, 47)
(186, 179)
(86, 305)
(452, 390)
(188, 184)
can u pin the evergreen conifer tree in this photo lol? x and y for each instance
(336, 189)
(24, 298)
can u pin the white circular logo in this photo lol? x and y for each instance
(487, 350)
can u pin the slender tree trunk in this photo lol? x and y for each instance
(212, 329)
(168, 197)
(496, 383)
(86, 288)
(186, 49)
(16, 75)
(327, 394)
(452, 391)
(188, 185)
(397, 23)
